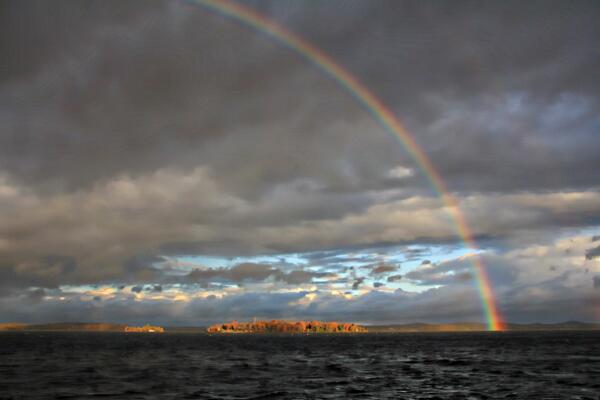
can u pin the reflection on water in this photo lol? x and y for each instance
(368, 366)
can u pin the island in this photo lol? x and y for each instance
(278, 326)
(145, 329)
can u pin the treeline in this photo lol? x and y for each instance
(145, 328)
(277, 326)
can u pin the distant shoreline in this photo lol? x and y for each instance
(395, 328)
(80, 327)
(479, 327)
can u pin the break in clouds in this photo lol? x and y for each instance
(159, 163)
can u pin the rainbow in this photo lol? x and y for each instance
(386, 118)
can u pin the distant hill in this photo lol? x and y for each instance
(477, 327)
(422, 327)
(12, 326)
(65, 327)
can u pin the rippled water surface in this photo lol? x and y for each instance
(556, 365)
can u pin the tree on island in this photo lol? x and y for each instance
(278, 326)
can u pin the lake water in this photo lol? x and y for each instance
(552, 365)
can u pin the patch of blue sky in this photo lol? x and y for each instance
(79, 288)
(588, 231)
(227, 262)
(404, 256)
(408, 257)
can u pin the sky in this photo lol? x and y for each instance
(160, 163)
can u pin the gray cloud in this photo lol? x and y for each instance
(546, 303)
(383, 268)
(137, 289)
(357, 282)
(36, 295)
(252, 272)
(134, 132)
(155, 289)
(169, 62)
(243, 272)
(592, 253)
(525, 289)
(120, 230)
(298, 277)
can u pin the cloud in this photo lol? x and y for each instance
(526, 290)
(138, 133)
(547, 303)
(239, 273)
(400, 172)
(252, 272)
(383, 268)
(525, 285)
(298, 277)
(592, 253)
(155, 289)
(36, 295)
(487, 104)
(137, 289)
(120, 229)
(357, 282)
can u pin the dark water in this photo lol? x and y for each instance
(370, 366)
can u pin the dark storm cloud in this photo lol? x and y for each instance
(141, 268)
(135, 87)
(491, 89)
(46, 271)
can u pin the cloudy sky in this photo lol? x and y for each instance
(160, 163)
